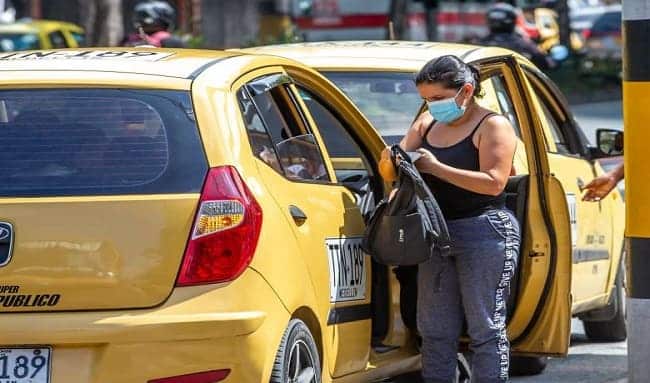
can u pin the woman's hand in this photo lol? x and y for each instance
(386, 167)
(427, 163)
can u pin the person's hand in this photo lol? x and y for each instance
(386, 167)
(599, 187)
(427, 162)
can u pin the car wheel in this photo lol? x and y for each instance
(297, 360)
(612, 330)
(527, 365)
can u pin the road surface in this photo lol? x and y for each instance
(587, 362)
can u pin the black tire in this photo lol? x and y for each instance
(297, 360)
(527, 365)
(613, 330)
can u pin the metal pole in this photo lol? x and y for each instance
(636, 114)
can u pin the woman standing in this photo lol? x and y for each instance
(466, 158)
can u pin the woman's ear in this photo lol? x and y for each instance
(467, 93)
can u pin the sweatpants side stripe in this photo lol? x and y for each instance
(502, 292)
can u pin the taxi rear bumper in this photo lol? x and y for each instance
(198, 329)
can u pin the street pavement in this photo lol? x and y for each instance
(587, 362)
(600, 115)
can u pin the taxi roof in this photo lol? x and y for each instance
(34, 26)
(377, 54)
(175, 63)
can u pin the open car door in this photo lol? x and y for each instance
(540, 305)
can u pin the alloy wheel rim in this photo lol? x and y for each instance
(301, 364)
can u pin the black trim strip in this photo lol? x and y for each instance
(636, 60)
(205, 66)
(638, 267)
(588, 255)
(347, 314)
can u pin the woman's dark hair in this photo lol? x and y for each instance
(451, 72)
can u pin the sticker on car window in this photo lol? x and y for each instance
(347, 269)
(87, 54)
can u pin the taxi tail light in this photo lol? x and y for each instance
(225, 232)
(199, 377)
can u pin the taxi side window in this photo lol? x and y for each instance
(561, 143)
(554, 122)
(57, 39)
(259, 138)
(279, 136)
(338, 141)
(505, 101)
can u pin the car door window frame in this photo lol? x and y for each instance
(550, 98)
(269, 83)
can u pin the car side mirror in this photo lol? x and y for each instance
(609, 142)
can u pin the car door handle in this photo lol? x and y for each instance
(298, 215)
(581, 183)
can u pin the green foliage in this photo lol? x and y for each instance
(195, 41)
(289, 35)
(599, 83)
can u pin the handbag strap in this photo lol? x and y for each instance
(395, 152)
(423, 192)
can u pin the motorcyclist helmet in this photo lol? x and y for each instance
(501, 17)
(154, 14)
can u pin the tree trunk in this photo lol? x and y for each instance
(228, 24)
(102, 21)
(399, 17)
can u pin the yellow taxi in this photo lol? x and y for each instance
(177, 216)
(40, 34)
(571, 250)
(196, 216)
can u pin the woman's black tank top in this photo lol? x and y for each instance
(456, 202)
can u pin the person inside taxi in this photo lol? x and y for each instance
(466, 155)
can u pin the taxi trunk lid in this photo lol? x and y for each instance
(99, 193)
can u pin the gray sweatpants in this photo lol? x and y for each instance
(474, 280)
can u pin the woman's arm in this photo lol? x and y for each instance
(413, 138)
(497, 144)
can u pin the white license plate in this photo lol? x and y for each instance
(25, 365)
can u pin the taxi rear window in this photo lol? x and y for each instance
(98, 142)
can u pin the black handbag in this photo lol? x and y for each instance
(408, 228)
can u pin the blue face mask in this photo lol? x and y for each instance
(446, 110)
